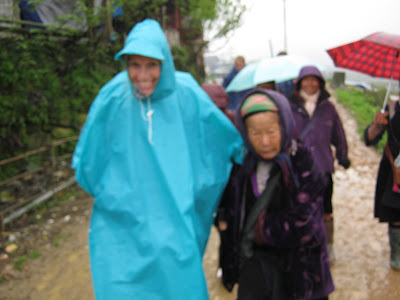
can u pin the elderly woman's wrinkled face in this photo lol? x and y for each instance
(264, 133)
(310, 84)
(144, 73)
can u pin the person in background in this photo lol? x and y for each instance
(220, 98)
(268, 85)
(387, 192)
(320, 127)
(286, 87)
(270, 217)
(234, 97)
(156, 154)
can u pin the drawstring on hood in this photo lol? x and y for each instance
(148, 117)
(139, 42)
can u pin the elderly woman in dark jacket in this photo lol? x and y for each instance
(319, 126)
(272, 234)
(387, 193)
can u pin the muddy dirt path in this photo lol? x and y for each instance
(361, 271)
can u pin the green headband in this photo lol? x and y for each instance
(256, 103)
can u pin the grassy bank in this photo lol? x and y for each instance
(362, 105)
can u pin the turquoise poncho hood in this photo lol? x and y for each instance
(148, 39)
(154, 198)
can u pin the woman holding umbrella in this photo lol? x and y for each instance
(320, 127)
(387, 195)
(377, 55)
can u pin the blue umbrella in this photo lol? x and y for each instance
(278, 69)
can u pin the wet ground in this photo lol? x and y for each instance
(361, 272)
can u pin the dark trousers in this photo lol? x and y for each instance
(263, 280)
(328, 194)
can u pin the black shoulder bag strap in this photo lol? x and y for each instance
(262, 203)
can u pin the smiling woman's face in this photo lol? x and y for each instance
(144, 72)
(310, 84)
(264, 133)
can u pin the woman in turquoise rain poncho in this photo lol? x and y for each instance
(155, 153)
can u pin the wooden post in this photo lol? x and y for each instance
(53, 167)
(108, 20)
(90, 30)
(2, 225)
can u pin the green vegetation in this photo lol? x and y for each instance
(61, 237)
(56, 240)
(49, 83)
(20, 262)
(34, 254)
(52, 74)
(363, 105)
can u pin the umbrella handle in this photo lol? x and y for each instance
(387, 95)
(389, 87)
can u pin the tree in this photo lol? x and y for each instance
(222, 16)
(56, 73)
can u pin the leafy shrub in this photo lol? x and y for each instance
(185, 59)
(49, 82)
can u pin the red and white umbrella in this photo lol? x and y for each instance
(376, 55)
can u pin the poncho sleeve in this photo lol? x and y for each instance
(90, 152)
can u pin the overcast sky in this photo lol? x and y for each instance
(312, 26)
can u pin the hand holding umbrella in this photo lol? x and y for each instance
(375, 55)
